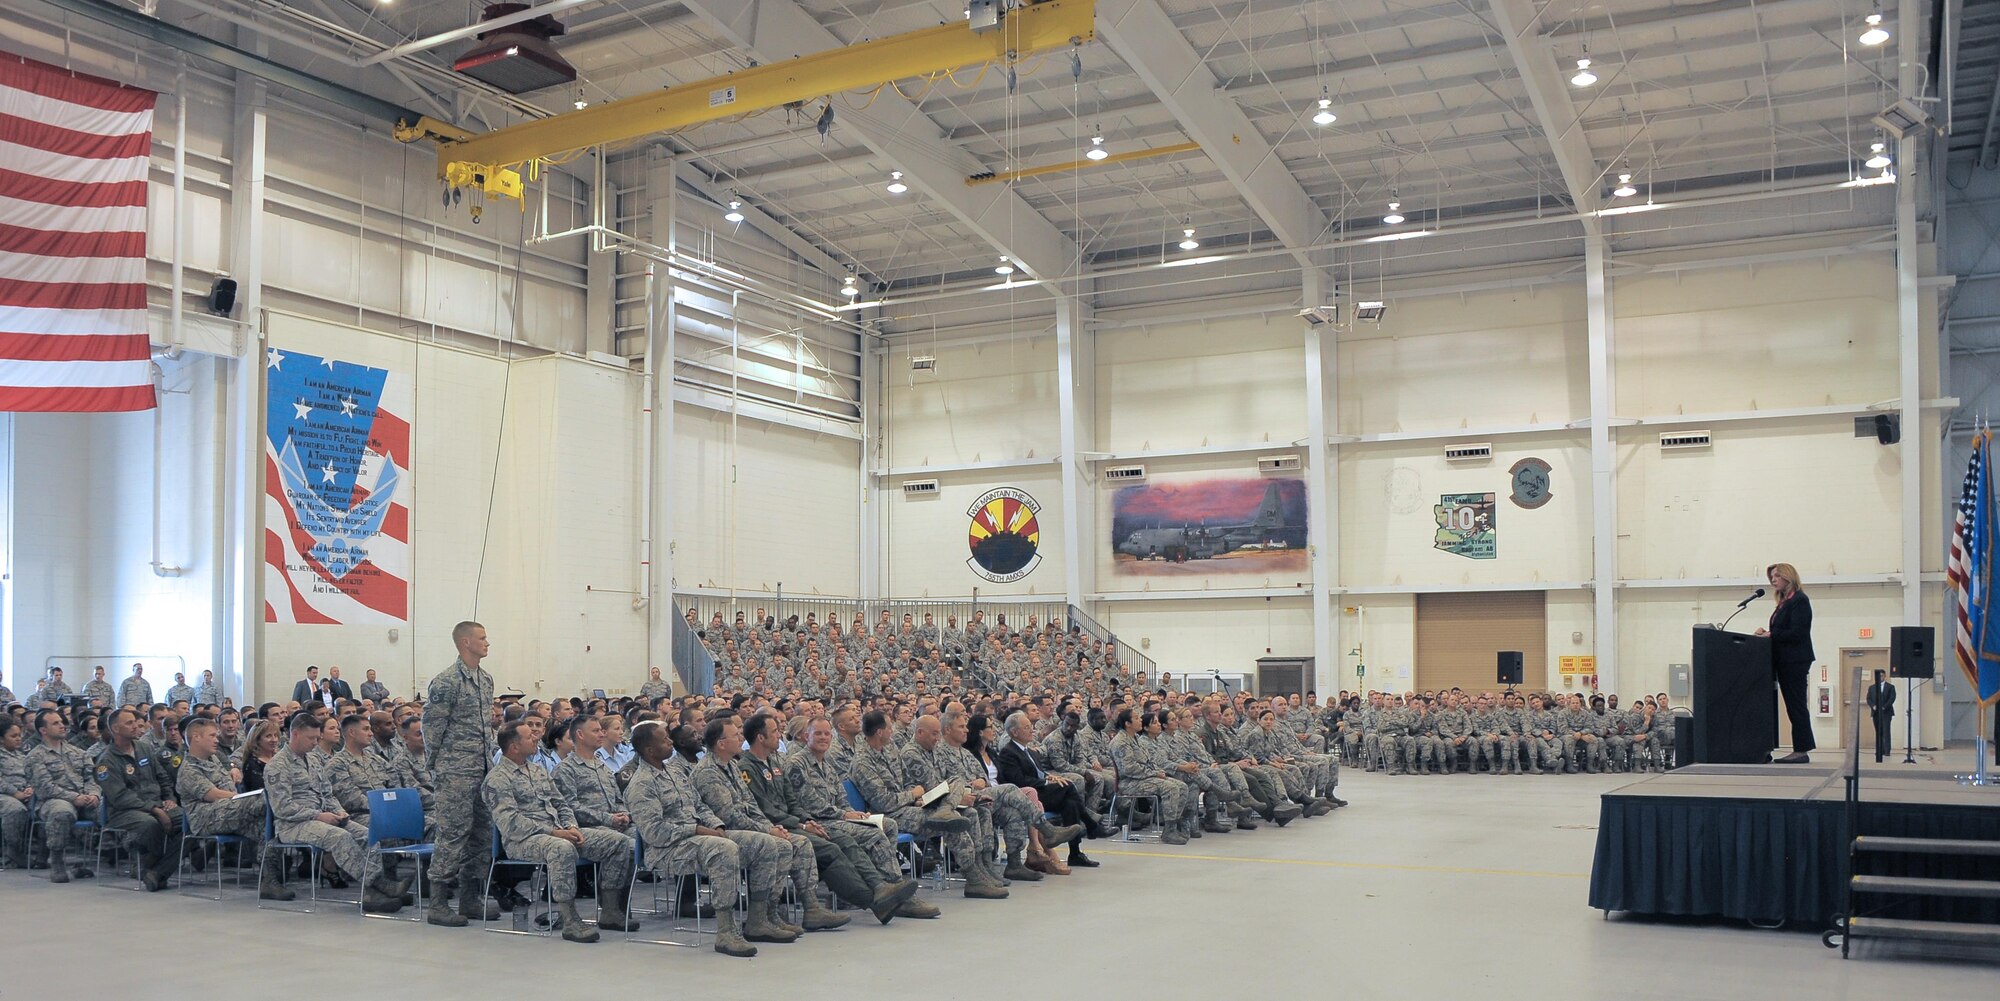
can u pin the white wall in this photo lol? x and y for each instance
(986, 402)
(1193, 636)
(928, 547)
(1176, 385)
(761, 505)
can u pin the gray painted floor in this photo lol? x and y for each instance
(1462, 886)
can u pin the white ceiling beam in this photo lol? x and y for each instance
(901, 134)
(1535, 60)
(1145, 37)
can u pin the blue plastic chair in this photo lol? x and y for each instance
(906, 843)
(88, 827)
(395, 815)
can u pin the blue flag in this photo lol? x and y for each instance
(1985, 626)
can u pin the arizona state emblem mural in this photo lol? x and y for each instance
(1004, 536)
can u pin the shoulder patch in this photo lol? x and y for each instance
(103, 772)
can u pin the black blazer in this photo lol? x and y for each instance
(1882, 698)
(339, 687)
(1791, 632)
(1020, 766)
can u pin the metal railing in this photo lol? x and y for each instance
(692, 659)
(1128, 655)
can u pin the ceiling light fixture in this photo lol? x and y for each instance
(1325, 115)
(1006, 267)
(1188, 242)
(896, 185)
(1394, 218)
(1097, 150)
(1878, 156)
(1584, 77)
(1624, 188)
(1874, 34)
(848, 288)
(581, 101)
(735, 213)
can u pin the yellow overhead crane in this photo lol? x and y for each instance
(488, 161)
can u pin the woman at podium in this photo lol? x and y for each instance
(1791, 655)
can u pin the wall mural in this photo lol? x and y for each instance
(1466, 525)
(1004, 536)
(337, 491)
(1210, 526)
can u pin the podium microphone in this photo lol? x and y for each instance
(1740, 606)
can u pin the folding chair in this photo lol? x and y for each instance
(191, 841)
(673, 919)
(526, 922)
(395, 815)
(88, 827)
(1125, 832)
(285, 850)
(112, 843)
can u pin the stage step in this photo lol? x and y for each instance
(1931, 931)
(1926, 846)
(1917, 886)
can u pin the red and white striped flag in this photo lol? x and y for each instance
(74, 151)
(1958, 563)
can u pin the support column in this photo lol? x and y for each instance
(600, 295)
(243, 468)
(1076, 405)
(1909, 351)
(874, 497)
(1322, 486)
(662, 201)
(1603, 463)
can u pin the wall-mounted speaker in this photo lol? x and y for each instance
(1510, 667)
(222, 295)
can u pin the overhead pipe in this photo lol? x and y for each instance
(646, 401)
(160, 568)
(447, 37)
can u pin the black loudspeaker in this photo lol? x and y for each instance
(1510, 667)
(222, 296)
(1910, 651)
(1888, 428)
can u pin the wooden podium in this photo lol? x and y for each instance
(1735, 698)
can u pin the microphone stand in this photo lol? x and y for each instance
(1734, 614)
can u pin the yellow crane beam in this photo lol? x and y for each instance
(1025, 31)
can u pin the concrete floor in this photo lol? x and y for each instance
(1471, 885)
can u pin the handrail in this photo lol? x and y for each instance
(1128, 655)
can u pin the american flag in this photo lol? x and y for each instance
(74, 153)
(1958, 566)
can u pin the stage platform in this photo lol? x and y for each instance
(1770, 843)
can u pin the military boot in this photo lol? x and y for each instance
(890, 897)
(1244, 819)
(818, 918)
(375, 899)
(759, 927)
(917, 908)
(271, 879)
(728, 939)
(1175, 835)
(1016, 869)
(440, 912)
(573, 928)
(982, 885)
(1211, 821)
(1053, 835)
(58, 867)
(474, 906)
(611, 912)
(778, 916)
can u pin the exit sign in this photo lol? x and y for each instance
(1867, 632)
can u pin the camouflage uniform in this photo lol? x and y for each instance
(1575, 723)
(180, 693)
(208, 693)
(242, 818)
(298, 794)
(655, 690)
(727, 794)
(1493, 742)
(1662, 739)
(408, 771)
(817, 794)
(885, 780)
(1450, 724)
(350, 777)
(1393, 738)
(13, 812)
(136, 691)
(132, 790)
(1139, 776)
(1222, 745)
(1543, 740)
(843, 861)
(526, 805)
(591, 789)
(60, 774)
(94, 690)
(666, 810)
(458, 744)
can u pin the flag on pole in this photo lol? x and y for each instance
(74, 154)
(1958, 564)
(1985, 631)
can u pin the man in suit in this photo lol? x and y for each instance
(1020, 765)
(338, 688)
(309, 690)
(1882, 709)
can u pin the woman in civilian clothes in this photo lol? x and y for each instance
(1791, 655)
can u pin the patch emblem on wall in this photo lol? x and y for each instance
(1466, 525)
(1531, 483)
(1004, 537)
